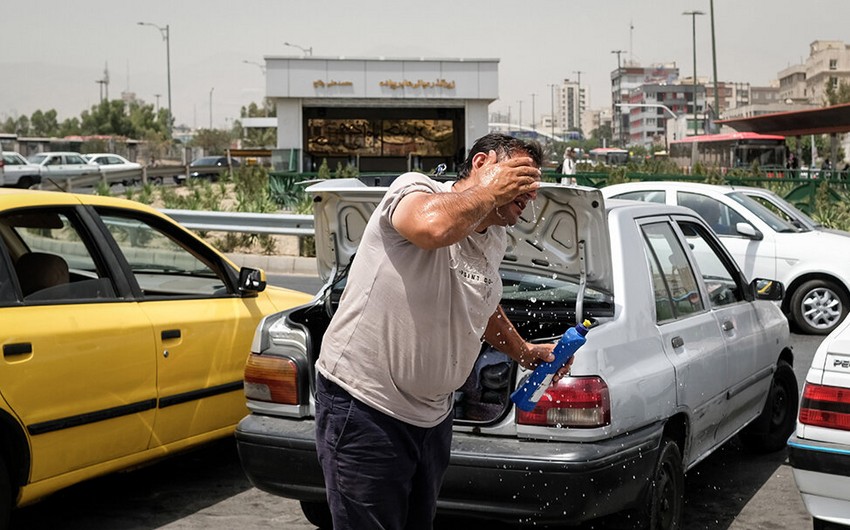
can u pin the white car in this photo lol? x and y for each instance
(683, 355)
(16, 172)
(819, 451)
(811, 264)
(111, 162)
(62, 164)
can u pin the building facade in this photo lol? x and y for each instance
(378, 114)
(627, 78)
(828, 63)
(571, 103)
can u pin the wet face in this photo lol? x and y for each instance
(510, 213)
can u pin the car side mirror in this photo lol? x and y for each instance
(251, 281)
(768, 289)
(748, 230)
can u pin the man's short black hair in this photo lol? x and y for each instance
(505, 147)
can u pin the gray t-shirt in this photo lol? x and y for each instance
(410, 321)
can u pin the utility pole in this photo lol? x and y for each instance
(533, 117)
(552, 110)
(211, 93)
(520, 114)
(714, 64)
(693, 15)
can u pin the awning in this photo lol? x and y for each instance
(827, 120)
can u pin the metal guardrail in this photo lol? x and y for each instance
(244, 222)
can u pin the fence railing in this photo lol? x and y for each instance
(242, 222)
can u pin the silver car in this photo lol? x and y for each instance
(683, 355)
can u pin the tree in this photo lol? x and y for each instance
(837, 95)
(212, 141)
(44, 123)
(257, 137)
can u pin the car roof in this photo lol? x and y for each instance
(666, 185)
(11, 198)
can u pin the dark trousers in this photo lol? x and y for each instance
(380, 473)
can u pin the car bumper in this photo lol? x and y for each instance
(822, 473)
(489, 477)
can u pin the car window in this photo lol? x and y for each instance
(7, 285)
(673, 280)
(720, 217)
(14, 159)
(163, 264)
(658, 196)
(74, 159)
(720, 279)
(37, 159)
(769, 218)
(53, 257)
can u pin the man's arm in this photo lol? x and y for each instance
(502, 335)
(435, 220)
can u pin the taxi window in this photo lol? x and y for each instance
(53, 258)
(163, 263)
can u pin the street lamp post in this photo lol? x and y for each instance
(211, 93)
(262, 67)
(520, 114)
(533, 116)
(307, 51)
(714, 64)
(552, 110)
(166, 36)
(652, 105)
(693, 15)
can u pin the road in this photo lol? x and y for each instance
(206, 489)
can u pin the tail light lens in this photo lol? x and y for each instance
(271, 378)
(825, 406)
(576, 402)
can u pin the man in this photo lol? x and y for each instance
(421, 293)
(569, 166)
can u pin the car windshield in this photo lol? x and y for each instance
(13, 159)
(769, 218)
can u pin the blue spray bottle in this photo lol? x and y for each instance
(527, 396)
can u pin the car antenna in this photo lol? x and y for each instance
(58, 187)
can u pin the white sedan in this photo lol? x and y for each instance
(812, 264)
(111, 162)
(819, 452)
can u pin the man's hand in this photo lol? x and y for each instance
(534, 354)
(507, 179)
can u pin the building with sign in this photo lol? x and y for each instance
(378, 114)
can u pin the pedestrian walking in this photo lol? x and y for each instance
(568, 167)
(422, 292)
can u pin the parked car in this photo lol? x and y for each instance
(123, 336)
(819, 451)
(62, 164)
(210, 167)
(683, 355)
(16, 172)
(812, 264)
(110, 162)
(131, 172)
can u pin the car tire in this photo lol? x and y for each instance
(770, 431)
(820, 524)
(25, 183)
(666, 496)
(818, 306)
(318, 513)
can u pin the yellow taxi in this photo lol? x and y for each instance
(124, 339)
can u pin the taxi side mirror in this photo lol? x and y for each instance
(251, 281)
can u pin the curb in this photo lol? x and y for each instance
(277, 264)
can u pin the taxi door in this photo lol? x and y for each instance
(78, 369)
(202, 328)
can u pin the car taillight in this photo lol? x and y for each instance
(825, 406)
(575, 402)
(270, 378)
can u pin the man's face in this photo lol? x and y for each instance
(510, 213)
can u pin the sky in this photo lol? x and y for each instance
(54, 52)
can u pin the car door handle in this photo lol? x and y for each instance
(20, 348)
(727, 326)
(677, 342)
(170, 334)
